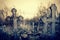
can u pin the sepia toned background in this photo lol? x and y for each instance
(27, 8)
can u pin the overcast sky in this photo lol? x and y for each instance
(28, 6)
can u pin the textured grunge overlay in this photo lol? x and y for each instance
(29, 19)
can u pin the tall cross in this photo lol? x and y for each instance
(14, 18)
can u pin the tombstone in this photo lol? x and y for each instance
(14, 18)
(7, 21)
(54, 9)
(19, 21)
(1, 17)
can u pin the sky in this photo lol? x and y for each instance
(28, 8)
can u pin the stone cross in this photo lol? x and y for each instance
(14, 18)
